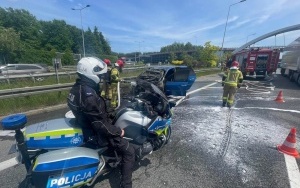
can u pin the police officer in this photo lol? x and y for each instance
(114, 79)
(231, 80)
(90, 111)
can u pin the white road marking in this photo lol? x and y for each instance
(7, 133)
(293, 171)
(274, 109)
(194, 91)
(8, 163)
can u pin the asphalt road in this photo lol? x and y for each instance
(211, 146)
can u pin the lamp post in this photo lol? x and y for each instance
(139, 49)
(249, 36)
(82, 33)
(227, 21)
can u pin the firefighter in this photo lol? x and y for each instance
(231, 80)
(106, 88)
(114, 79)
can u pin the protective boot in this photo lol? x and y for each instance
(224, 104)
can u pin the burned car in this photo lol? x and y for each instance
(172, 80)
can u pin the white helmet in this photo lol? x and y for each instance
(117, 65)
(92, 68)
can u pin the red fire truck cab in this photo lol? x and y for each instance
(257, 62)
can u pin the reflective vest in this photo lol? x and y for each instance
(114, 75)
(232, 77)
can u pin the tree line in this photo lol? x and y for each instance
(24, 39)
(192, 55)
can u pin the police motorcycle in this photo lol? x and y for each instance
(55, 155)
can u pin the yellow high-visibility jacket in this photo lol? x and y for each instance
(115, 76)
(232, 77)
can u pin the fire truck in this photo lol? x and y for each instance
(257, 62)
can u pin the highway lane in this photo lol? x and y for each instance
(243, 140)
(212, 146)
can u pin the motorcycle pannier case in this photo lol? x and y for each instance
(68, 167)
(53, 134)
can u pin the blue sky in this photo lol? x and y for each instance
(148, 25)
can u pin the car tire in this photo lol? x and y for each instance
(298, 81)
(291, 77)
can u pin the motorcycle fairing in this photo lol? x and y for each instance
(71, 179)
(54, 134)
(134, 124)
(68, 167)
(159, 125)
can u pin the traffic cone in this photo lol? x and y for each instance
(289, 145)
(279, 97)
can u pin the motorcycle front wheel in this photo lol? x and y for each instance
(168, 135)
(162, 140)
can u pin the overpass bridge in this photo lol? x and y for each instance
(273, 33)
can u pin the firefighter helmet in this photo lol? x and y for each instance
(234, 65)
(92, 68)
(107, 61)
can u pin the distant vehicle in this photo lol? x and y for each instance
(290, 66)
(172, 80)
(279, 65)
(258, 62)
(13, 69)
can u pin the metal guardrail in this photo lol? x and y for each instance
(71, 73)
(26, 91)
(68, 70)
(5, 77)
(21, 92)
